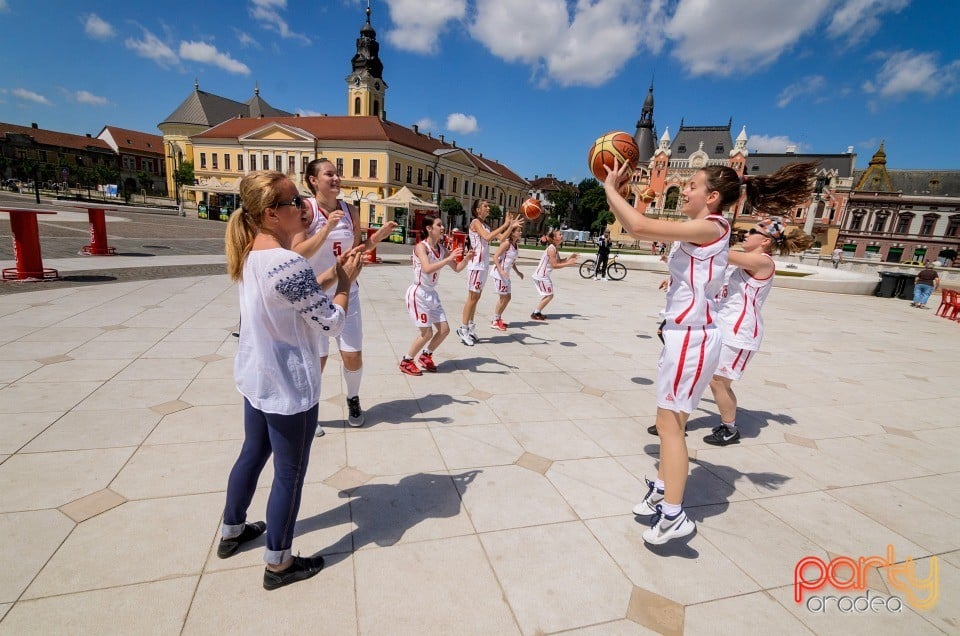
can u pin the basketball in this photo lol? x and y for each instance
(531, 209)
(613, 145)
(648, 194)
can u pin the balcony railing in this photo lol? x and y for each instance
(900, 236)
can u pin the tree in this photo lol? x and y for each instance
(145, 180)
(562, 200)
(184, 174)
(495, 214)
(604, 218)
(454, 211)
(591, 202)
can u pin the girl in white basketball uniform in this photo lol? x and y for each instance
(503, 261)
(549, 261)
(749, 279)
(334, 229)
(692, 341)
(480, 236)
(423, 302)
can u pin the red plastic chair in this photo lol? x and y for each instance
(946, 301)
(954, 308)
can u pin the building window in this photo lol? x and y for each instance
(291, 165)
(466, 187)
(129, 163)
(356, 168)
(441, 182)
(203, 160)
(148, 164)
(486, 192)
(356, 105)
(928, 224)
(43, 155)
(454, 188)
(409, 174)
(240, 163)
(719, 149)
(373, 168)
(266, 162)
(253, 163)
(226, 161)
(396, 171)
(473, 189)
(213, 159)
(419, 176)
(340, 166)
(304, 163)
(879, 223)
(682, 148)
(376, 108)
(953, 226)
(903, 223)
(430, 180)
(856, 221)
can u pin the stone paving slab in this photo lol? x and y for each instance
(493, 497)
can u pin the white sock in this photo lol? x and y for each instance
(669, 509)
(496, 317)
(658, 484)
(352, 378)
(731, 425)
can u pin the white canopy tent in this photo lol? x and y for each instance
(404, 198)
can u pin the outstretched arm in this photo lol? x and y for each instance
(757, 265)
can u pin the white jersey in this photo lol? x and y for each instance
(696, 277)
(434, 255)
(507, 259)
(544, 268)
(481, 248)
(740, 318)
(339, 240)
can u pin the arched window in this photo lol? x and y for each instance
(670, 201)
(376, 107)
(356, 105)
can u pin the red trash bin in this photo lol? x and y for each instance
(459, 241)
(371, 256)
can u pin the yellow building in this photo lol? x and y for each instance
(376, 158)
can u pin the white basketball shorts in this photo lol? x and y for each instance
(424, 306)
(504, 286)
(351, 338)
(687, 363)
(544, 286)
(733, 360)
(476, 279)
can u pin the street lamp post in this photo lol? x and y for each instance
(812, 212)
(176, 177)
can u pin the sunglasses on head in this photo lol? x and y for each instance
(296, 202)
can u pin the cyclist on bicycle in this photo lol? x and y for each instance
(603, 252)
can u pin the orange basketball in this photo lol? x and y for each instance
(613, 145)
(531, 209)
(648, 194)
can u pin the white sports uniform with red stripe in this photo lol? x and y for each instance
(423, 302)
(339, 240)
(740, 319)
(541, 277)
(477, 265)
(692, 340)
(507, 259)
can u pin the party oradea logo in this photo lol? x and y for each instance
(842, 573)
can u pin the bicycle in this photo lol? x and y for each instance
(615, 271)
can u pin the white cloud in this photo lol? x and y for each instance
(86, 97)
(245, 39)
(806, 86)
(268, 12)
(30, 96)
(738, 36)
(208, 54)
(97, 28)
(4, 7)
(418, 23)
(585, 48)
(772, 143)
(310, 113)
(914, 72)
(859, 19)
(152, 48)
(426, 124)
(458, 122)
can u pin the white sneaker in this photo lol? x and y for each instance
(664, 529)
(650, 501)
(465, 337)
(595, 278)
(472, 332)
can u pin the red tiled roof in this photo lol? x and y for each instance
(57, 139)
(346, 128)
(135, 140)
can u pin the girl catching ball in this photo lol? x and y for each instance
(548, 262)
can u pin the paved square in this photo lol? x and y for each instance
(493, 497)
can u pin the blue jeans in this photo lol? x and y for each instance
(921, 293)
(289, 438)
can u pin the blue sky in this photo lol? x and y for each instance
(528, 82)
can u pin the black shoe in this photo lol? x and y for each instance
(301, 569)
(235, 334)
(229, 547)
(722, 435)
(354, 412)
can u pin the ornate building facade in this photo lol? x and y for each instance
(667, 166)
(375, 157)
(901, 215)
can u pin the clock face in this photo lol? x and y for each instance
(356, 81)
(376, 85)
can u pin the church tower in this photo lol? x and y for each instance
(645, 134)
(366, 89)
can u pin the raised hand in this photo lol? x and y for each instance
(349, 264)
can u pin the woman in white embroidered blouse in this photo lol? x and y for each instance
(277, 368)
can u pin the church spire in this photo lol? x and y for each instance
(645, 133)
(365, 86)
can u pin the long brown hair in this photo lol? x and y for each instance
(313, 168)
(786, 188)
(794, 242)
(258, 191)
